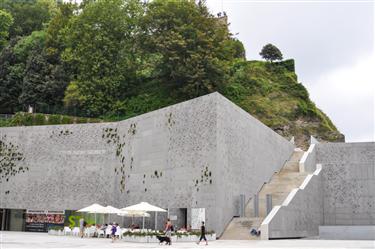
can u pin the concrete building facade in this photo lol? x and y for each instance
(201, 155)
(335, 201)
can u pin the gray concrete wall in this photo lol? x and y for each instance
(348, 183)
(202, 153)
(69, 167)
(301, 213)
(347, 232)
(308, 160)
(248, 154)
(156, 157)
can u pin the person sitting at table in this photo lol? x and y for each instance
(104, 227)
(134, 226)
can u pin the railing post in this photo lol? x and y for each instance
(242, 205)
(269, 203)
(256, 205)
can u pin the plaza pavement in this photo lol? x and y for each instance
(43, 240)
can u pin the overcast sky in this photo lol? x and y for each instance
(332, 43)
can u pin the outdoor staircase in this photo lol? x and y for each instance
(279, 186)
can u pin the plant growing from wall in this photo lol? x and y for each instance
(10, 160)
(133, 129)
(157, 174)
(111, 136)
(170, 120)
(205, 179)
(61, 133)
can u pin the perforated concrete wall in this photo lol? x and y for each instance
(249, 153)
(300, 215)
(348, 183)
(202, 153)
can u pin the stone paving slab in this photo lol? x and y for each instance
(41, 240)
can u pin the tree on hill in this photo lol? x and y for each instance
(6, 20)
(192, 45)
(101, 46)
(271, 53)
(29, 16)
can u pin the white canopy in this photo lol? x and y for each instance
(109, 210)
(94, 208)
(145, 207)
(133, 213)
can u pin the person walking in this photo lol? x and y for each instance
(168, 230)
(203, 234)
(113, 232)
(82, 224)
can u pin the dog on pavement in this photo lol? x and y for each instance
(163, 239)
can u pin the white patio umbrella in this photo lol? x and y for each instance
(133, 214)
(108, 210)
(94, 208)
(145, 207)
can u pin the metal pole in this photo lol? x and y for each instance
(269, 203)
(256, 205)
(156, 220)
(242, 206)
(3, 221)
(143, 222)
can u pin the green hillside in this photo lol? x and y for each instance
(272, 93)
(108, 60)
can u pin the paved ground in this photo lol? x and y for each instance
(42, 240)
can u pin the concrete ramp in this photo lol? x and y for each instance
(239, 229)
(279, 187)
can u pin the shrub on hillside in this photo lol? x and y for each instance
(54, 119)
(39, 119)
(66, 120)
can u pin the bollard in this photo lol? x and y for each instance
(269, 203)
(256, 205)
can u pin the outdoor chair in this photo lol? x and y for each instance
(119, 232)
(90, 231)
(67, 231)
(75, 231)
(100, 232)
(108, 230)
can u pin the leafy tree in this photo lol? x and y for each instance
(13, 60)
(11, 77)
(190, 45)
(101, 46)
(28, 77)
(25, 45)
(55, 37)
(43, 83)
(29, 16)
(6, 20)
(271, 53)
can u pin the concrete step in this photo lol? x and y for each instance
(239, 229)
(278, 187)
(291, 167)
(296, 156)
(288, 175)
